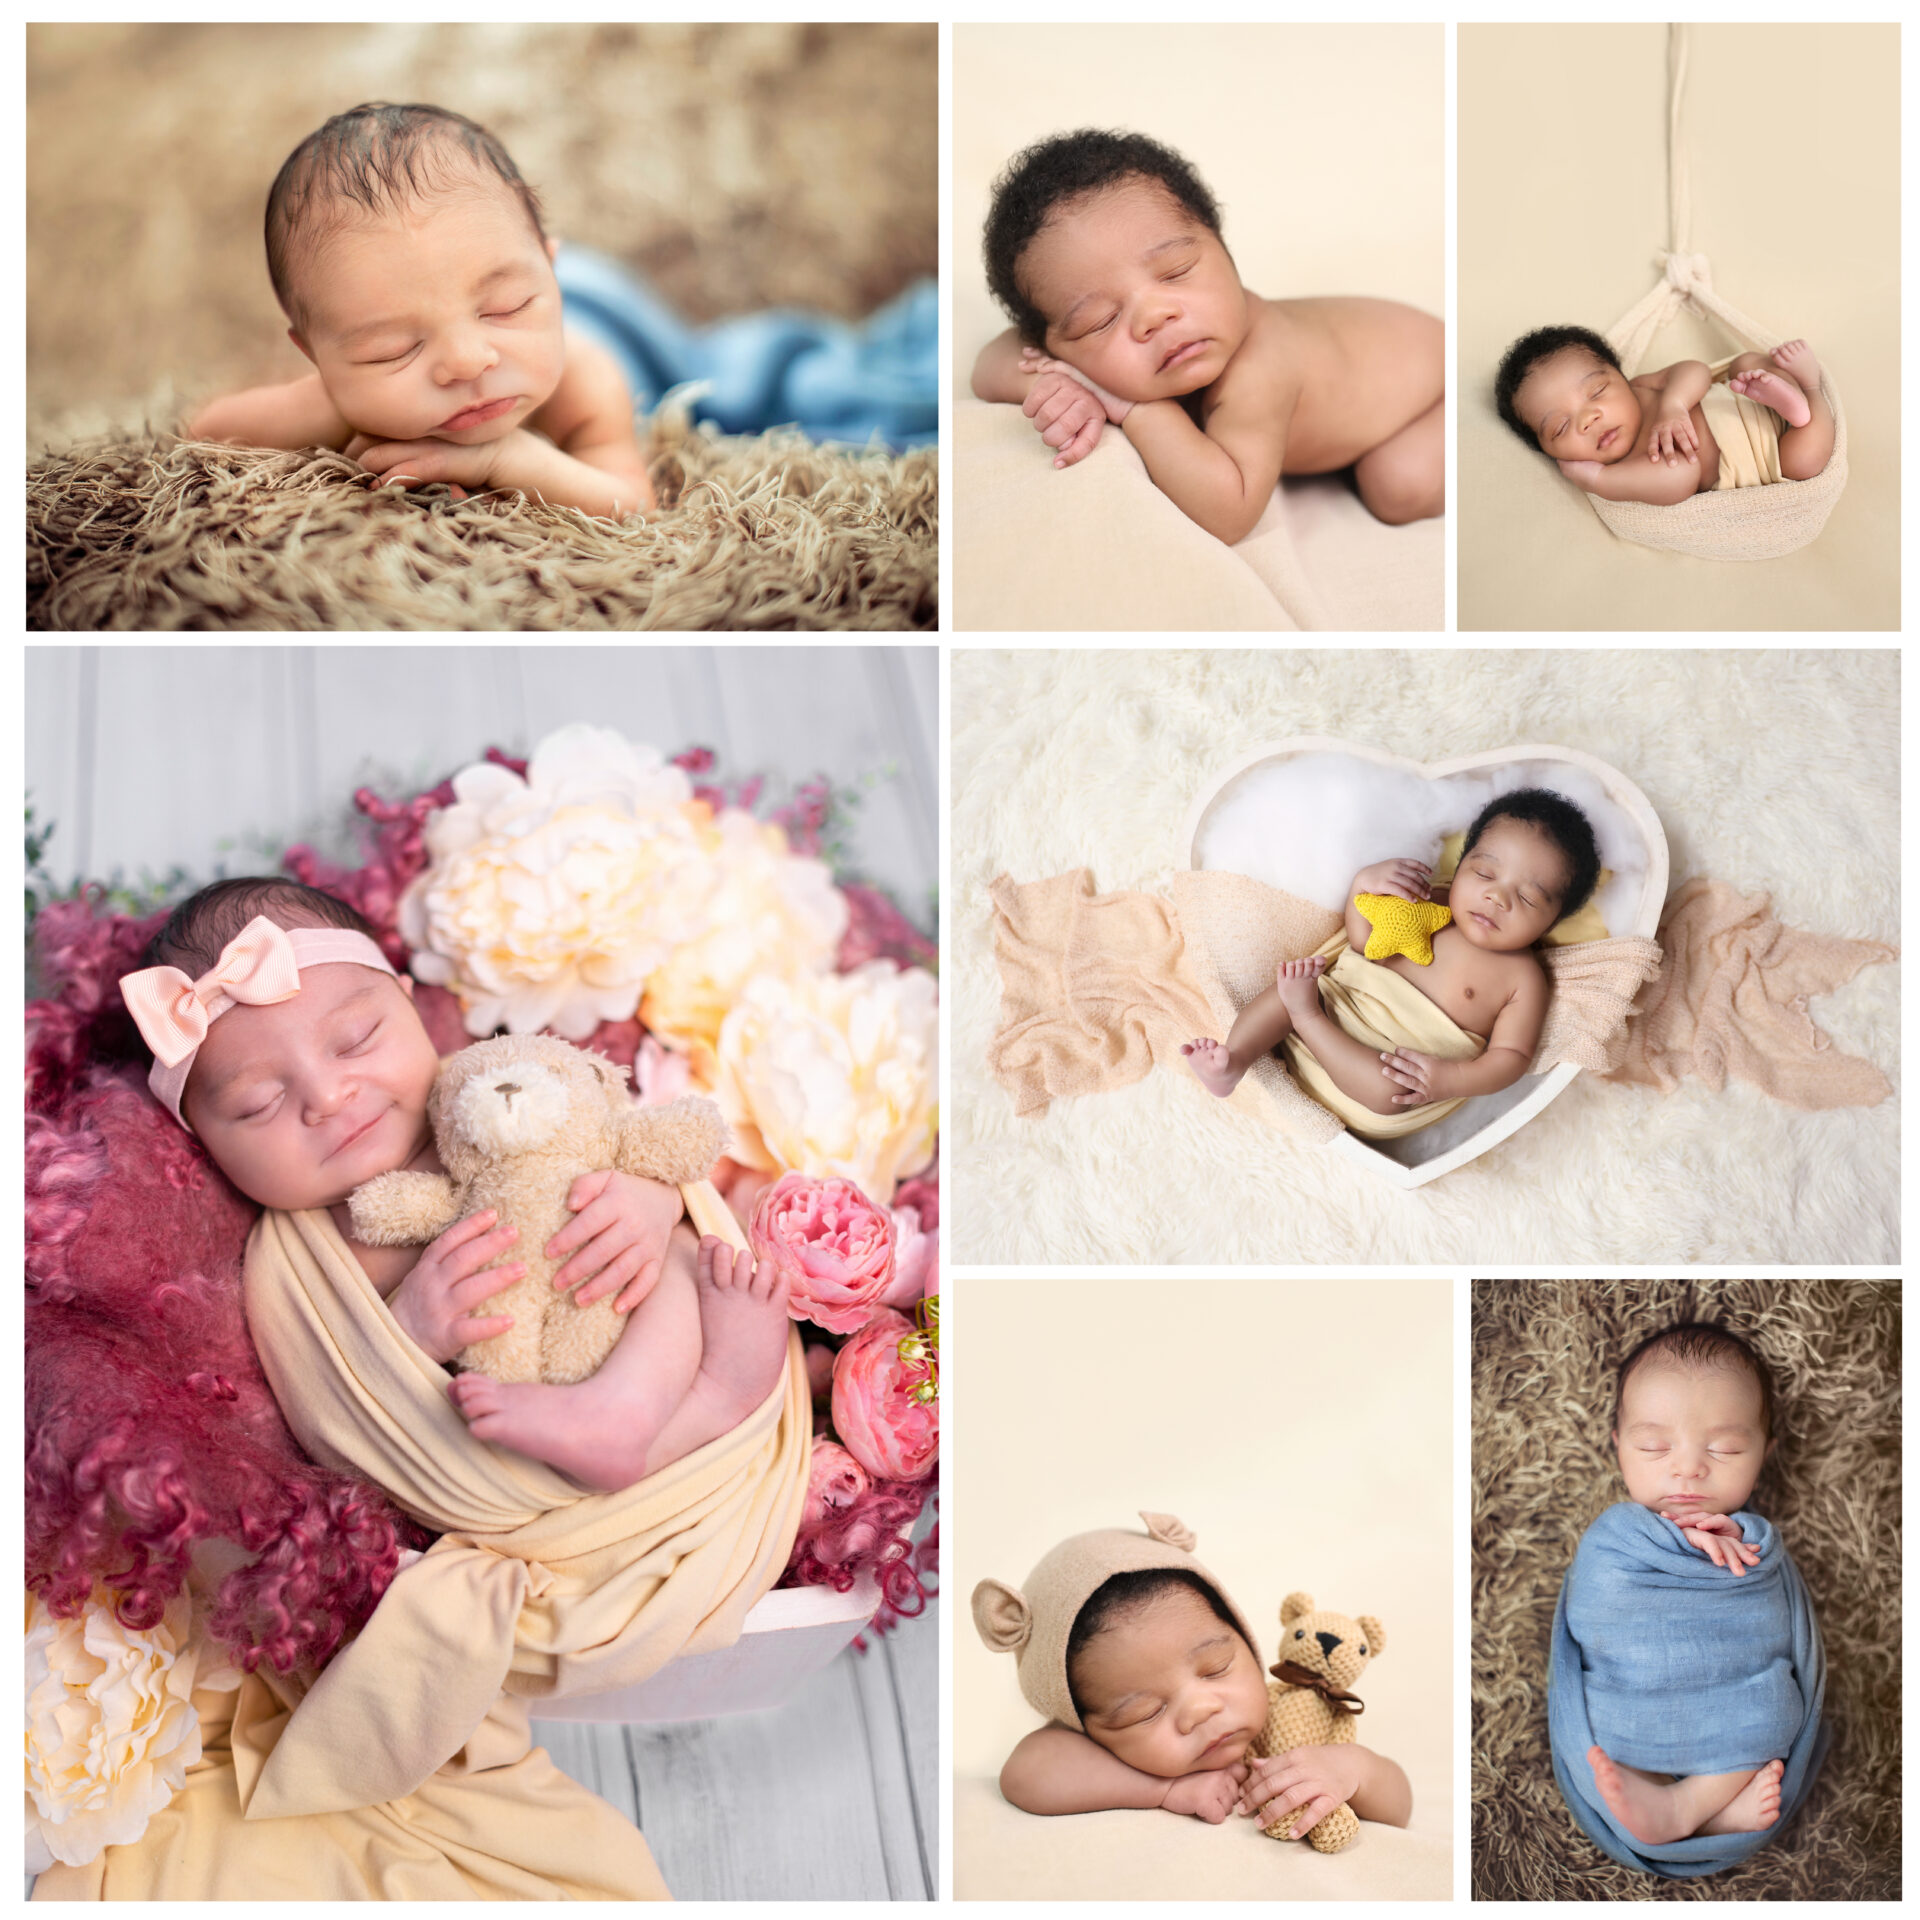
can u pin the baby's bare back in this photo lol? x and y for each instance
(1467, 983)
(1349, 373)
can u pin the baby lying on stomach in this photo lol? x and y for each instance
(1105, 249)
(1459, 1013)
(408, 255)
(1663, 436)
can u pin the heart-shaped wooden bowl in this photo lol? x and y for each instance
(1483, 1122)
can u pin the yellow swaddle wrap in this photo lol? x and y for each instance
(1381, 1009)
(406, 1770)
(1748, 434)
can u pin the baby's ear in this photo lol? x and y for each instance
(1001, 1614)
(553, 246)
(293, 334)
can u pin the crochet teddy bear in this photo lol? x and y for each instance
(516, 1122)
(1308, 1705)
(1401, 926)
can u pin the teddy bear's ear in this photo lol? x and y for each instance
(1002, 1615)
(1375, 1632)
(1293, 1606)
(1168, 1531)
(612, 1078)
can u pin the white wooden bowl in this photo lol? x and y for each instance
(1485, 1121)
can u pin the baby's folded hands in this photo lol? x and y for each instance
(1718, 1536)
(1404, 879)
(1317, 1779)
(1069, 418)
(1674, 439)
(1206, 1796)
(437, 1304)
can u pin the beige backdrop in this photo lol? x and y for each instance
(1080, 1402)
(1793, 142)
(1325, 148)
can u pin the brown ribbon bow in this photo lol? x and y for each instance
(1340, 1701)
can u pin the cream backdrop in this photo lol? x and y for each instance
(1793, 136)
(1302, 1428)
(1324, 146)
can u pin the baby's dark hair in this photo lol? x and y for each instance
(377, 157)
(1120, 1597)
(1699, 1344)
(1064, 168)
(1526, 353)
(199, 928)
(1562, 822)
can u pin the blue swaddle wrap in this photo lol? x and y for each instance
(834, 379)
(1671, 1664)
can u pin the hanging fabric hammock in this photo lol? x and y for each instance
(1750, 523)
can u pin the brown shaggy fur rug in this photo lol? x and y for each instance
(1544, 1358)
(158, 534)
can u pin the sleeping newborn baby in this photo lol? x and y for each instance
(1687, 1668)
(408, 255)
(1663, 436)
(1105, 248)
(1391, 1041)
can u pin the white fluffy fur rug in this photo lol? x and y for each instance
(1775, 771)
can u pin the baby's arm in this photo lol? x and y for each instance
(296, 415)
(1368, 1782)
(1064, 410)
(1657, 483)
(1220, 478)
(1508, 1055)
(591, 420)
(1056, 1770)
(1404, 879)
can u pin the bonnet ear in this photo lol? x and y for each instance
(1168, 1531)
(1375, 1632)
(1001, 1614)
(1293, 1606)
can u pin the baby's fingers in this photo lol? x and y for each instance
(1082, 443)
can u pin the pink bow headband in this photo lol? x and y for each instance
(259, 967)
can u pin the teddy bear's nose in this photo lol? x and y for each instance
(506, 1089)
(1328, 1641)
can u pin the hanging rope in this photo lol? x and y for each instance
(1752, 523)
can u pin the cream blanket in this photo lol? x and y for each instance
(405, 1770)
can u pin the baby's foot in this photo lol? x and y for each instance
(1298, 983)
(1212, 1066)
(1649, 1811)
(1772, 390)
(566, 1427)
(1755, 1807)
(1795, 359)
(743, 1330)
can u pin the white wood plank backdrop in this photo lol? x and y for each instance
(148, 756)
(145, 757)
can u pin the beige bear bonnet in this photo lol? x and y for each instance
(1033, 1625)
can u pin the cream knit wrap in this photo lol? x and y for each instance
(1034, 1625)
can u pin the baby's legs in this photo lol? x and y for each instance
(1352, 1065)
(1263, 1023)
(1405, 477)
(1656, 1809)
(1788, 381)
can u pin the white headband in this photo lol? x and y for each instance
(259, 967)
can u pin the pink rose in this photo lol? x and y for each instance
(922, 1192)
(916, 1261)
(891, 1433)
(820, 1371)
(832, 1243)
(659, 1076)
(835, 1479)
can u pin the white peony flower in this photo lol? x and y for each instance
(111, 1728)
(831, 1074)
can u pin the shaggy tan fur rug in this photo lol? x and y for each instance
(157, 534)
(1544, 1358)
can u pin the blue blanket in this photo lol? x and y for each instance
(834, 379)
(1671, 1664)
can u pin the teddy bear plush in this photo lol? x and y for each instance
(1308, 1705)
(516, 1122)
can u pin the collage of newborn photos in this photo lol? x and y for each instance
(1177, 1179)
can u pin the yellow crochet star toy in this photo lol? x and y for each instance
(1401, 926)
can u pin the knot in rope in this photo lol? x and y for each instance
(1688, 272)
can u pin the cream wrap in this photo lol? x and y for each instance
(1748, 434)
(534, 1586)
(1381, 1009)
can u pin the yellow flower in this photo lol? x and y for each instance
(834, 1073)
(111, 1728)
(767, 910)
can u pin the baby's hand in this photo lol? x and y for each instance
(1032, 360)
(1206, 1796)
(1718, 1536)
(1674, 439)
(1317, 1779)
(435, 1303)
(620, 1226)
(1421, 1074)
(415, 463)
(1403, 879)
(1069, 418)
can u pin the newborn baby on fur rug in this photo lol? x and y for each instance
(408, 255)
(1413, 1007)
